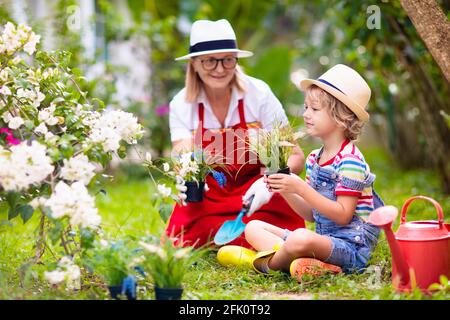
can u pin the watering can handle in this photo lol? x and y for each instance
(434, 202)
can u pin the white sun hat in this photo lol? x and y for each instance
(346, 85)
(213, 37)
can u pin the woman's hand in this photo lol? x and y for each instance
(284, 183)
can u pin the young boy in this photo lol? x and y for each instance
(337, 192)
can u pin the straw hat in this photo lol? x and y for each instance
(213, 37)
(346, 85)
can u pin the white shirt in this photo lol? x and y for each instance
(260, 105)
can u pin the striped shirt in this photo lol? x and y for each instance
(348, 162)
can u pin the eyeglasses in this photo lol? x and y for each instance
(211, 63)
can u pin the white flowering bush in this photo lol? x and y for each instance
(54, 141)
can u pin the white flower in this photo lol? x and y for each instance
(103, 243)
(51, 121)
(16, 60)
(30, 46)
(148, 157)
(4, 75)
(41, 129)
(4, 90)
(78, 169)
(65, 261)
(67, 271)
(23, 166)
(166, 167)
(75, 202)
(6, 116)
(37, 202)
(46, 115)
(15, 123)
(73, 274)
(163, 190)
(55, 277)
(112, 127)
(48, 136)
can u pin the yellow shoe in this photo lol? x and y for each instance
(261, 261)
(235, 256)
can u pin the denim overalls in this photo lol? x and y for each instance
(354, 242)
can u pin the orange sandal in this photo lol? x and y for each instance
(311, 266)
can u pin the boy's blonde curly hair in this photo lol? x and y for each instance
(338, 111)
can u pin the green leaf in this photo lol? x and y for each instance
(444, 280)
(58, 99)
(87, 238)
(55, 232)
(12, 198)
(165, 210)
(26, 212)
(122, 152)
(12, 213)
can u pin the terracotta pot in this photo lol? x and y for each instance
(168, 293)
(194, 192)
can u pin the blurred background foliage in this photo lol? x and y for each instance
(290, 39)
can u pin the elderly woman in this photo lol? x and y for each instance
(220, 101)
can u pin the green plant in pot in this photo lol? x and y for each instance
(112, 261)
(166, 264)
(186, 169)
(275, 146)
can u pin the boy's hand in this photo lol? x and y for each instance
(284, 183)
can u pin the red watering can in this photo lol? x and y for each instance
(420, 249)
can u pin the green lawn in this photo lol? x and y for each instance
(126, 210)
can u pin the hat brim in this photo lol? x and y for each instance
(240, 53)
(352, 105)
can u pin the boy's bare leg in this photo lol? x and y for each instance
(301, 243)
(263, 236)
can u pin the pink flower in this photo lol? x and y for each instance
(162, 110)
(7, 131)
(9, 136)
(12, 141)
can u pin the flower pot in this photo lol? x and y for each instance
(286, 170)
(115, 292)
(194, 192)
(168, 293)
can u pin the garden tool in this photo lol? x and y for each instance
(232, 229)
(420, 249)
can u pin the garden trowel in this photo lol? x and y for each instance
(232, 229)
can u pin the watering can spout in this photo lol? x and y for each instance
(383, 218)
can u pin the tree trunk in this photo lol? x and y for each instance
(428, 101)
(434, 29)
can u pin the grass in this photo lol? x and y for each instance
(126, 210)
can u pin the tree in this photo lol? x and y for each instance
(434, 29)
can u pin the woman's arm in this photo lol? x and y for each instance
(181, 146)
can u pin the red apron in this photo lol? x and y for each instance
(198, 222)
